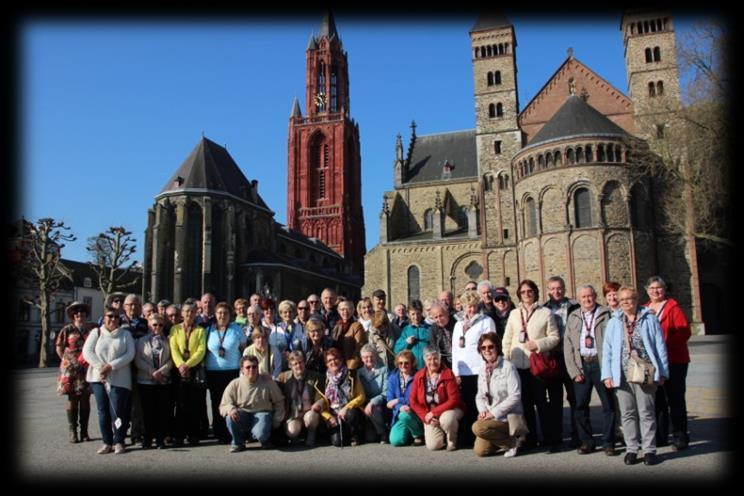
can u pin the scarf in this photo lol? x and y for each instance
(338, 389)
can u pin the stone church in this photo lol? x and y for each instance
(210, 231)
(541, 190)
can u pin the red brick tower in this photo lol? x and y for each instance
(324, 197)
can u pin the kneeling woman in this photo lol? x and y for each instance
(341, 401)
(435, 398)
(499, 394)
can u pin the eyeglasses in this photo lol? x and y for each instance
(249, 367)
(400, 364)
(333, 359)
(488, 347)
(111, 316)
(156, 325)
(527, 291)
(116, 301)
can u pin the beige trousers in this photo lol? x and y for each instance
(449, 421)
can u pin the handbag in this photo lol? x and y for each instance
(544, 365)
(517, 425)
(640, 371)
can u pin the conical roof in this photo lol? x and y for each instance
(328, 26)
(210, 167)
(491, 20)
(577, 118)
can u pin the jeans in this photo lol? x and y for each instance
(583, 390)
(258, 423)
(115, 403)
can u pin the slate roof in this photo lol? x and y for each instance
(301, 238)
(490, 20)
(577, 118)
(431, 151)
(209, 166)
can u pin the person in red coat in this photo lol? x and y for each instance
(435, 398)
(671, 406)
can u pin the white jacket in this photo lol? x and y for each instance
(110, 347)
(541, 329)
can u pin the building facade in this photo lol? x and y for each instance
(548, 189)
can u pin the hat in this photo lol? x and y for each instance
(114, 296)
(500, 294)
(77, 305)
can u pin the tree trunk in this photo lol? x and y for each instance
(44, 314)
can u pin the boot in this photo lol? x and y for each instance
(310, 438)
(84, 416)
(72, 421)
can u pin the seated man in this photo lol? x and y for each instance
(253, 403)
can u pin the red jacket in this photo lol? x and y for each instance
(676, 331)
(447, 389)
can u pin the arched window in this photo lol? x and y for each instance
(497, 147)
(428, 220)
(548, 160)
(651, 89)
(334, 88)
(489, 79)
(579, 155)
(499, 109)
(570, 156)
(659, 88)
(557, 158)
(532, 165)
(610, 153)
(588, 153)
(414, 285)
(540, 162)
(491, 110)
(583, 206)
(489, 51)
(531, 214)
(649, 57)
(657, 54)
(600, 153)
(497, 77)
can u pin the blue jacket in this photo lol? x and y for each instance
(422, 335)
(653, 340)
(393, 391)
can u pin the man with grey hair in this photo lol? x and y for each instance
(582, 351)
(207, 318)
(486, 306)
(441, 332)
(561, 307)
(147, 310)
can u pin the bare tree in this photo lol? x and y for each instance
(689, 156)
(40, 264)
(111, 251)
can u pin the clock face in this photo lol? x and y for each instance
(320, 99)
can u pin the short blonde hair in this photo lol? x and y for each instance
(287, 305)
(364, 301)
(469, 298)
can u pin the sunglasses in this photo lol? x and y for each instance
(301, 308)
(488, 347)
(249, 367)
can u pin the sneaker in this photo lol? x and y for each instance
(510, 453)
(236, 448)
(418, 441)
(106, 448)
(119, 449)
(451, 446)
(354, 441)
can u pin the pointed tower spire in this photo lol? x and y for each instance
(328, 26)
(296, 108)
(311, 43)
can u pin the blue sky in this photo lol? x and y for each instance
(110, 109)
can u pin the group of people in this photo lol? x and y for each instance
(324, 367)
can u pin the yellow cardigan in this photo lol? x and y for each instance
(197, 345)
(358, 399)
